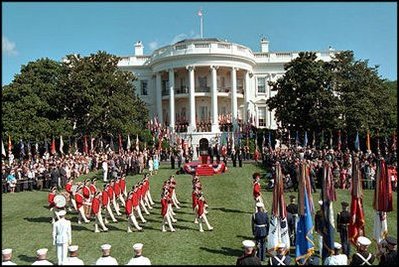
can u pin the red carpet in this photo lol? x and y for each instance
(204, 169)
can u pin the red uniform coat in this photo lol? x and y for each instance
(129, 205)
(164, 209)
(105, 198)
(135, 199)
(122, 184)
(50, 200)
(117, 189)
(68, 188)
(86, 192)
(110, 192)
(200, 210)
(95, 205)
(140, 192)
(79, 200)
(93, 189)
(194, 198)
(256, 190)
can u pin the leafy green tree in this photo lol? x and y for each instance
(31, 103)
(100, 98)
(305, 99)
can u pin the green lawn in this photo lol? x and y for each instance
(26, 223)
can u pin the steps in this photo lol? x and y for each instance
(204, 170)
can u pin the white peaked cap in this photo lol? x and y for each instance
(6, 251)
(281, 245)
(137, 246)
(106, 246)
(62, 212)
(320, 202)
(260, 205)
(337, 245)
(248, 243)
(42, 251)
(73, 248)
(362, 240)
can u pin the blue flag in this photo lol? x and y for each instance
(305, 139)
(357, 146)
(304, 239)
(270, 140)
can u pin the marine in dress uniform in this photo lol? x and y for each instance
(362, 256)
(280, 258)
(62, 236)
(343, 220)
(336, 258)
(260, 229)
(292, 214)
(249, 257)
(106, 258)
(73, 256)
(239, 157)
(234, 157)
(390, 257)
(42, 257)
(96, 210)
(138, 258)
(7, 256)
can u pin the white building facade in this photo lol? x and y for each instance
(195, 84)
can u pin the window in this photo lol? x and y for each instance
(144, 87)
(203, 84)
(203, 113)
(262, 117)
(183, 113)
(261, 85)
(165, 87)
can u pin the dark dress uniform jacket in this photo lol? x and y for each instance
(357, 260)
(389, 259)
(285, 259)
(260, 218)
(248, 260)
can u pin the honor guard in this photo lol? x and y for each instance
(106, 258)
(131, 219)
(292, 216)
(336, 258)
(343, 220)
(106, 204)
(138, 258)
(280, 258)
(41, 259)
(87, 198)
(96, 210)
(140, 191)
(51, 204)
(319, 222)
(123, 185)
(390, 256)
(256, 187)
(112, 197)
(164, 211)
(68, 189)
(201, 214)
(62, 236)
(73, 256)
(362, 256)
(136, 203)
(79, 204)
(118, 191)
(260, 229)
(249, 257)
(7, 256)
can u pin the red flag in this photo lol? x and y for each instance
(357, 222)
(85, 146)
(368, 141)
(383, 189)
(9, 144)
(339, 140)
(52, 149)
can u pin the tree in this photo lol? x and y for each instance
(100, 98)
(305, 99)
(31, 103)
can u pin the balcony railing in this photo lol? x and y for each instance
(203, 89)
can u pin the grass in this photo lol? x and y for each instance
(26, 223)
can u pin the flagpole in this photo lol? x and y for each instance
(202, 27)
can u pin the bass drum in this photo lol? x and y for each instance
(60, 201)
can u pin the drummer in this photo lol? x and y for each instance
(87, 198)
(51, 203)
(70, 188)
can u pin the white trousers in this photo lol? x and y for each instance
(62, 253)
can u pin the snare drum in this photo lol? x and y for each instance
(60, 201)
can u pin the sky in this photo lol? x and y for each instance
(37, 30)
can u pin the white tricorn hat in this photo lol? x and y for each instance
(42, 251)
(73, 248)
(6, 251)
(106, 246)
(137, 246)
(281, 245)
(337, 245)
(362, 240)
(260, 205)
(248, 244)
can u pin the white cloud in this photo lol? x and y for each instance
(8, 47)
(178, 38)
(153, 45)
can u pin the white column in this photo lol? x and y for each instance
(172, 99)
(192, 125)
(215, 121)
(234, 93)
(158, 94)
(247, 91)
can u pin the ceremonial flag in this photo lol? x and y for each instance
(304, 246)
(22, 148)
(322, 139)
(120, 148)
(46, 145)
(3, 151)
(111, 144)
(382, 202)
(368, 141)
(331, 139)
(29, 149)
(270, 140)
(305, 140)
(296, 139)
(85, 145)
(9, 144)
(128, 143)
(278, 230)
(92, 143)
(357, 145)
(37, 148)
(264, 140)
(53, 151)
(61, 145)
(137, 143)
(339, 140)
(314, 139)
(357, 222)
(328, 195)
